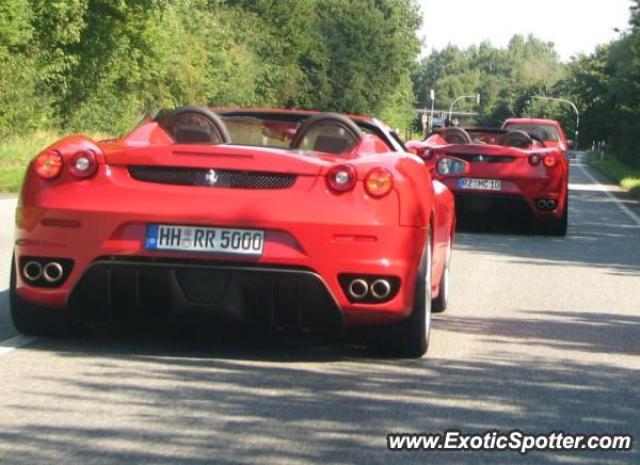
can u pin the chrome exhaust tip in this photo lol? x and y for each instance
(381, 289)
(551, 204)
(542, 204)
(32, 271)
(53, 272)
(358, 289)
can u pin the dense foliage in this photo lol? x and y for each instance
(606, 86)
(503, 77)
(100, 64)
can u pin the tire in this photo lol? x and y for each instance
(558, 227)
(409, 338)
(439, 304)
(34, 320)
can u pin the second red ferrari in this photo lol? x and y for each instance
(511, 170)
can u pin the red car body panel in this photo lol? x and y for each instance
(306, 226)
(519, 178)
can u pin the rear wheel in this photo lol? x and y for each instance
(34, 320)
(409, 338)
(559, 227)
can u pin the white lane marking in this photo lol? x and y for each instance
(604, 189)
(581, 186)
(14, 343)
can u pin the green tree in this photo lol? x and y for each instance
(100, 64)
(606, 87)
(504, 77)
(371, 46)
(21, 109)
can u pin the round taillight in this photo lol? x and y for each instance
(535, 159)
(341, 178)
(378, 182)
(550, 161)
(83, 164)
(48, 165)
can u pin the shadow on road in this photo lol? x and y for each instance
(572, 331)
(179, 399)
(599, 235)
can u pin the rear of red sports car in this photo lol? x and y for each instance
(286, 238)
(507, 172)
(549, 131)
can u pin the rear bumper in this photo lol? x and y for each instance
(324, 251)
(280, 298)
(517, 196)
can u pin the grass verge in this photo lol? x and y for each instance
(16, 153)
(625, 176)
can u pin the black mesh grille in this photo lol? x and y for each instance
(481, 158)
(232, 179)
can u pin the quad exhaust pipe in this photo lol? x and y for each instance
(51, 272)
(359, 289)
(381, 289)
(32, 271)
(544, 204)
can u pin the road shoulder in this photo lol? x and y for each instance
(609, 186)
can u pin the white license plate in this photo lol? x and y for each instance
(480, 184)
(203, 239)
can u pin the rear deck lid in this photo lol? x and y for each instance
(217, 157)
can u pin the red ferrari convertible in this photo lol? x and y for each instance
(509, 170)
(291, 219)
(548, 131)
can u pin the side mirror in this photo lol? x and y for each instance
(449, 166)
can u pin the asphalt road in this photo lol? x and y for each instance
(543, 334)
